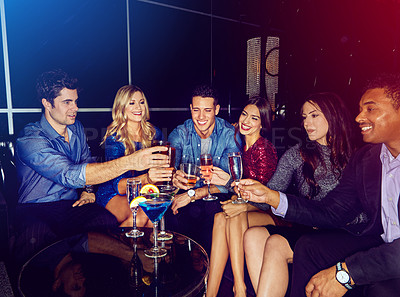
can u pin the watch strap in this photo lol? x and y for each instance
(348, 286)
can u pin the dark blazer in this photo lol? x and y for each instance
(359, 190)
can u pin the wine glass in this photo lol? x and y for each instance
(155, 206)
(133, 186)
(236, 170)
(206, 168)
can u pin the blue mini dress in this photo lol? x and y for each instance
(114, 150)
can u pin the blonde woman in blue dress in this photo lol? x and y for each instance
(129, 131)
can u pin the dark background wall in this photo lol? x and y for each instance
(176, 44)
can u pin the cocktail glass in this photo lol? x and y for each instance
(206, 165)
(133, 186)
(236, 170)
(155, 206)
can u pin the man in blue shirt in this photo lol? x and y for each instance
(53, 160)
(203, 133)
(366, 256)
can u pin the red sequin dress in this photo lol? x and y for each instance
(259, 163)
(260, 160)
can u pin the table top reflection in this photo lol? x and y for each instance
(110, 264)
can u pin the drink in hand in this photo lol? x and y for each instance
(206, 168)
(191, 171)
(160, 143)
(207, 172)
(191, 181)
(235, 167)
(206, 165)
(171, 153)
(236, 170)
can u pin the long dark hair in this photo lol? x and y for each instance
(264, 108)
(338, 138)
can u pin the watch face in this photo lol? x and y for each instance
(191, 193)
(342, 277)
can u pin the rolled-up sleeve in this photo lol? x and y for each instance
(40, 155)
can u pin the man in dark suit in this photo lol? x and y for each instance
(367, 256)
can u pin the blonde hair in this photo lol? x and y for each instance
(119, 125)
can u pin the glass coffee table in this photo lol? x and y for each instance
(110, 264)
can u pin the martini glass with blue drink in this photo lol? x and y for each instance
(155, 206)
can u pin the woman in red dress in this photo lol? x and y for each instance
(259, 162)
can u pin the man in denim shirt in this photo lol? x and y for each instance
(203, 133)
(53, 160)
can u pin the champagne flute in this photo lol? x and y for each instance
(164, 235)
(133, 186)
(206, 168)
(155, 206)
(236, 170)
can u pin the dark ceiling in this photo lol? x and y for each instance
(331, 45)
(324, 46)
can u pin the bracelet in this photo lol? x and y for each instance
(89, 189)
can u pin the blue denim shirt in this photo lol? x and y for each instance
(49, 168)
(187, 143)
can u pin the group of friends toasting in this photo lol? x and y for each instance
(324, 211)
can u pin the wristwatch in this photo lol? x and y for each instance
(192, 195)
(343, 277)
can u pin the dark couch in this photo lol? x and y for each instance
(8, 194)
